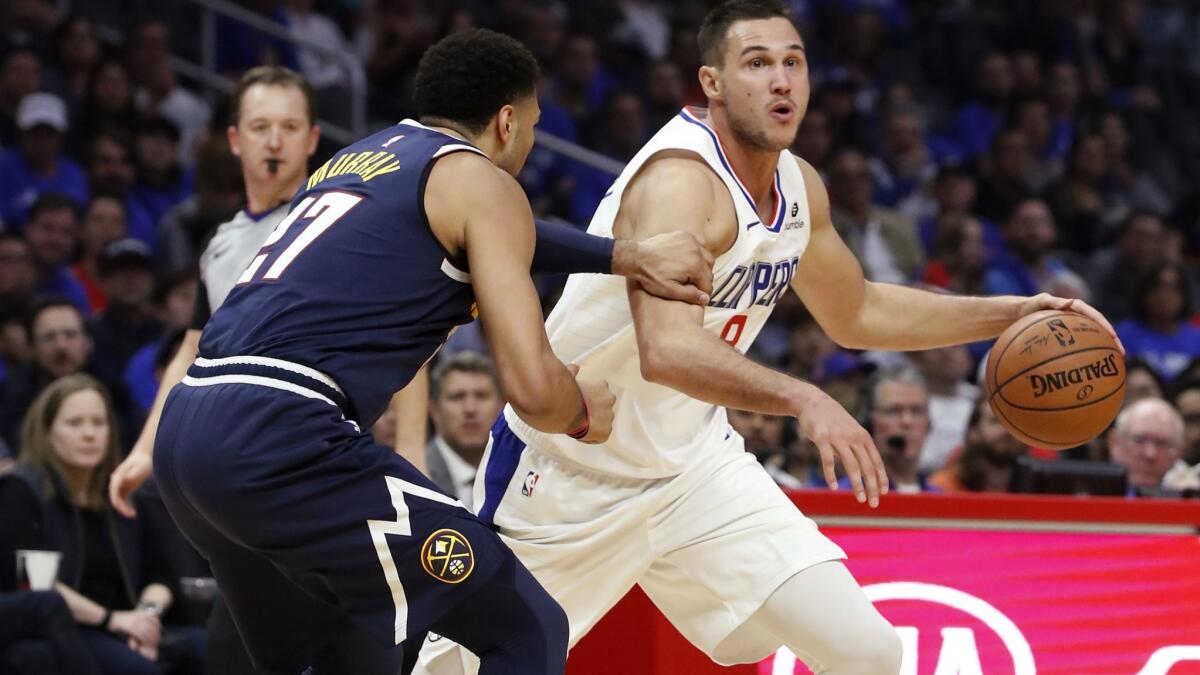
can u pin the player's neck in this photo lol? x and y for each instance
(263, 197)
(755, 168)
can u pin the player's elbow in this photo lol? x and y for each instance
(657, 361)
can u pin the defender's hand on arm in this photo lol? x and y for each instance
(672, 265)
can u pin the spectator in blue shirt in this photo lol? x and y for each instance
(53, 234)
(978, 121)
(1160, 332)
(111, 173)
(1030, 233)
(38, 165)
(904, 166)
(162, 182)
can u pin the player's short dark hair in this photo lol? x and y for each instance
(273, 76)
(467, 77)
(462, 362)
(711, 38)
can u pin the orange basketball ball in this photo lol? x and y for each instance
(1055, 379)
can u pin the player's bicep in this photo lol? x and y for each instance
(671, 194)
(829, 279)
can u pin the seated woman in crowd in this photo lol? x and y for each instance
(114, 574)
(987, 459)
(1160, 332)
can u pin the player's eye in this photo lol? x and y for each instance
(756, 63)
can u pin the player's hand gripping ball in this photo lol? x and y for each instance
(1055, 379)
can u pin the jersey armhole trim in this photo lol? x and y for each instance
(456, 261)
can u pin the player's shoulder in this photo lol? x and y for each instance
(471, 176)
(677, 173)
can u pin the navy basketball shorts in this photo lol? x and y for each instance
(312, 529)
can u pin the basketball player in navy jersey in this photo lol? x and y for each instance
(313, 530)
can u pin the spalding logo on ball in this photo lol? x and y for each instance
(1055, 379)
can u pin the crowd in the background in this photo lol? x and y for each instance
(975, 146)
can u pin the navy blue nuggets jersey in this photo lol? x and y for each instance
(353, 282)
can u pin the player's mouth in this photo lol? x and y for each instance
(783, 111)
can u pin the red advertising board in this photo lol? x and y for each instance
(983, 585)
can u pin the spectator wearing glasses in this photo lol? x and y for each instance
(1148, 440)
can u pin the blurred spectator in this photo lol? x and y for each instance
(161, 96)
(18, 271)
(644, 26)
(621, 135)
(107, 107)
(1114, 269)
(326, 73)
(111, 172)
(26, 22)
(768, 438)
(958, 257)
(1127, 187)
(1030, 233)
(814, 142)
(399, 32)
(14, 343)
(1159, 331)
(103, 222)
(174, 304)
(1186, 398)
(664, 94)
(904, 166)
(244, 47)
(20, 76)
(161, 181)
(1008, 178)
(546, 27)
(898, 419)
(952, 193)
(884, 241)
(61, 346)
(37, 634)
(1027, 74)
(987, 459)
(1032, 118)
(53, 234)
(115, 574)
(76, 54)
(1141, 381)
(582, 85)
(1064, 91)
(1147, 440)
(187, 227)
(464, 401)
(951, 401)
(129, 321)
(976, 123)
(38, 164)
(1083, 205)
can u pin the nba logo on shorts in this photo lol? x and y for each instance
(531, 480)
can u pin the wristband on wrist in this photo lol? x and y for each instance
(150, 607)
(103, 625)
(582, 431)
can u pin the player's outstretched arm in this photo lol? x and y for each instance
(672, 265)
(860, 314)
(675, 350)
(493, 224)
(136, 467)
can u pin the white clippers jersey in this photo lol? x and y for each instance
(231, 249)
(657, 430)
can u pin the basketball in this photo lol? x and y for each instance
(1055, 379)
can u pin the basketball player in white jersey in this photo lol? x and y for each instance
(671, 501)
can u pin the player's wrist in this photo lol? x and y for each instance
(624, 258)
(801, 396)
(584, 422)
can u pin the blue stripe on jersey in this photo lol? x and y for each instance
(780, 207)
(502, 464)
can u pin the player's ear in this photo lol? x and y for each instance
(709, 82)
(506, 123)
